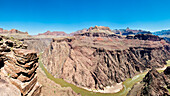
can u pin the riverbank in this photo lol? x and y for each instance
(108, 89)
(127, 84)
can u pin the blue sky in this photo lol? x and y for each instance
(38, 16)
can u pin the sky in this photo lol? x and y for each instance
(38, 16)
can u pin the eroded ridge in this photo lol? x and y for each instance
(98, 62)
(18, 67)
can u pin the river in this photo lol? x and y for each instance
(127, 85)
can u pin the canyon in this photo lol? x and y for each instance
(97, 59)
(97, 63)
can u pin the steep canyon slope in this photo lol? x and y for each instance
(97, 62)
(153, 84)
(18, 69)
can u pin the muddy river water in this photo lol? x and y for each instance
(127, 85)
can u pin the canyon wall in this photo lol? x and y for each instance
(18, 67)
(99, 62)
(153, 84)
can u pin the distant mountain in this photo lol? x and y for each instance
(129, 31)
(78, 32)
(164, 33)
(97, 29)
(12, 31)
(55, 33)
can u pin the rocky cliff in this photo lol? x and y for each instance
(149, 37)
(18, 67)
(95, 62)
(153, 84)
(97, 31)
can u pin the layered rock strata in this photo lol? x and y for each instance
(99, 62)
(153, 84)
(19, 66)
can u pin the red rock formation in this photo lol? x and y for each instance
(12, 31)
(19, 66)
(55, 33)
(1, 29)
(96, 63)
(78, 32)
(96, 28)
(153, 84)
(99, 28)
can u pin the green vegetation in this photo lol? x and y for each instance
(168, 64)
(12, 38)
(128, 84)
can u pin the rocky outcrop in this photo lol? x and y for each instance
(78, 32)
(100, 62)
(19, 66)
(153, 84)
(97, 34)
(97, 31)
(7, 89)
(99, 28)
(50, 88)
(148, 37)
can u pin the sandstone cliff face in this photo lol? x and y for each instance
(18, 66)
(7, 89)
(100, 62)
(153, 84)
(96, 31)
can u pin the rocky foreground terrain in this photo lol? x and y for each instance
(18, 69)
(50, 88)
(102, 59)
(153, 84)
